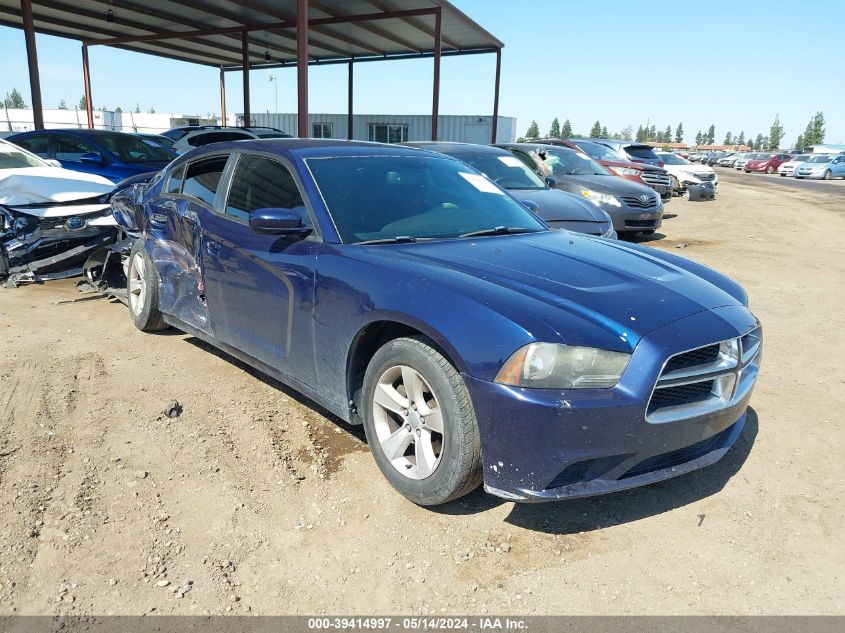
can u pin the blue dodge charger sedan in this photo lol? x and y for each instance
(405, 291)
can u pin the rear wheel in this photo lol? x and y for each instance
(420, 423)
(828, 175)
(142, 286)
(770, 170)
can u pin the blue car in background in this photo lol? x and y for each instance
(405, 291)
(113, 155)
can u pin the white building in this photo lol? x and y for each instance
(394, 128)
(827, 149)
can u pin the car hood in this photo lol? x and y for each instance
(560, 206)
(604, 184)
(620, 290)
(40, 185)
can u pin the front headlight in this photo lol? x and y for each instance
(600, 198)
(691, 178)
(557, 366)
(625, 171)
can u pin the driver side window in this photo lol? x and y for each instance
(71, 149)
(262, 183)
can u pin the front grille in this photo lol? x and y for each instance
(641, 224)
(705, 177)
(635, 202)
(700, 356)
(656, 178)
(681, 395)
(706, 379)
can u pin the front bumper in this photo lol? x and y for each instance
(627, 220)
(544, 445)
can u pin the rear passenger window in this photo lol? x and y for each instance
(262, 183)
(203, 177)
(38, 145)
(174, 185)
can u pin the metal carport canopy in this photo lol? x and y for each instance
(251, 34)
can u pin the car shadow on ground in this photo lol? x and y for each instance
(643, 238)
(356, 431)
(594, 513)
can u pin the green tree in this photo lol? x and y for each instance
(595, 131)
(625, 133)
(775, 134)
(554, 131)
(604, 133)
(14, 100)
(679, 133)
(640, 134)
(729, 139)
(566, 131)
(667, 134)
(62, 105)
(799, 142)
(759, 142)
(815, 132)
(711, 135)
(118, 110)
(699, 138)
(520, 139)
(83, 105)
(152, 110)
(740, 140)
(652, 133)
(137, 108)
(533, 131)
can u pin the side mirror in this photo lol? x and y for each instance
(93, 158)
(532, 206)
(551, 181)
(52, 162)
(277, 221)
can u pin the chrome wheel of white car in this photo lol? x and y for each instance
(137, 284)
(408, 422)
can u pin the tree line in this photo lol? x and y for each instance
(649, 133)
(14, 100)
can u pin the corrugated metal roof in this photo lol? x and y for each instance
(270, 25)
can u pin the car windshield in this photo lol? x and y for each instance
(641, 151)
(161, 140)
(13, 157)
(820, 159)
(800, 159)
(567, 162)
(672, 159)
(506, 171)
(416, 197)
(760, 156)
(596, 151)
(131, 149)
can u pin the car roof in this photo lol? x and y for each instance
(307, 147)
(457, 148)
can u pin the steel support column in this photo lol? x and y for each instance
(302, 67)
(435, 105)
(222, 98)
(32, 62)
(86, 78)
(349, 126)
(245, 52)
(495, 126)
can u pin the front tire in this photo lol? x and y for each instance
(142, 287)
(770, 170)
(420, 422)
(828, 175)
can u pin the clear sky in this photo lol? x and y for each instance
(732, 63)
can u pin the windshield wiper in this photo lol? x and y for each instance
(399, 239)
(501, 230)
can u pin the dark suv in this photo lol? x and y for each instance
(634, 152)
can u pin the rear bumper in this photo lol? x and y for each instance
(544, 445)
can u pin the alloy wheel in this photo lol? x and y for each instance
(408, 422)
(137, 284)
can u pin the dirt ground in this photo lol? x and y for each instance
(253, 500)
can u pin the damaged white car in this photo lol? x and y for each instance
(51, 219)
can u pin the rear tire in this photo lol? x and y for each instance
(828, 175)
(770, 170)
(142, 287)
(420, 422)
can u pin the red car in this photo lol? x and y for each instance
(768, 163)
(640, 173)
